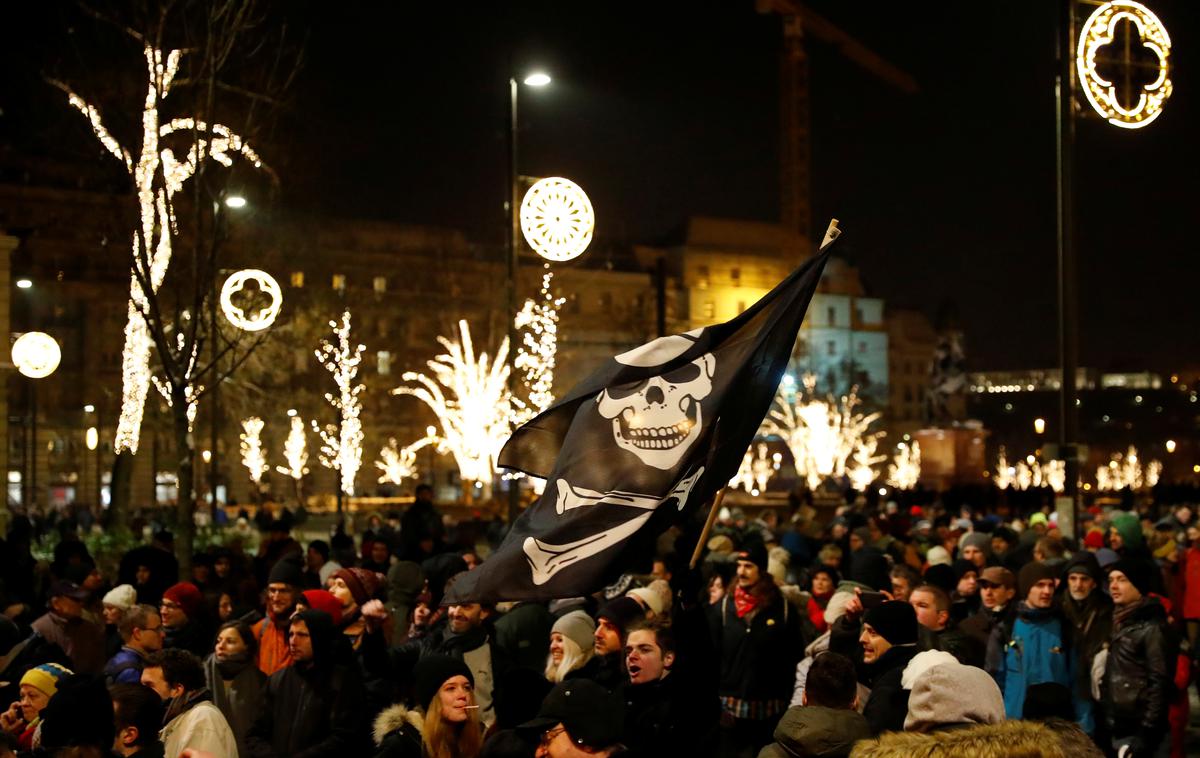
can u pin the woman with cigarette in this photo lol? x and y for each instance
(445, 722)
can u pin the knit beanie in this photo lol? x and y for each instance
(962, 566)
(938, 556)
(123, 596)
(951, 693)
(942, 575)
(431, 672)
(895, 621)
(578, 627)
(1139, 573)
(324, 600)
(1128, 526)
(287, 570)
(79, 715)
(187, 597)
(363, 584)
(622, 612)
(756, 553)
(1084, 562)
(976, 539)
(45, 678)
(1032, 573)
(648, 596)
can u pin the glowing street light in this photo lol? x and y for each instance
(92, 438)
(1039, 426)
(235, 201)
(537, 79)
(36, 355)
(1170, 446)
(24, 284)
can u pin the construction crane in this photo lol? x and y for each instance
(795, 148)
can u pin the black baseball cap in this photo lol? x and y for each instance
(594, 717)
(68, 589)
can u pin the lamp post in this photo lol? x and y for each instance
(36, 355)
(514, 229)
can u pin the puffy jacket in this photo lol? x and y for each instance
(759, 657)
(1137, 681)
(1038, 652)
(125, 667)
(813, 731)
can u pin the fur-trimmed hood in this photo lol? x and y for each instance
(992, 741)
(393, 718)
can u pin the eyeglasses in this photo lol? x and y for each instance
(551, 735)
(171, 606)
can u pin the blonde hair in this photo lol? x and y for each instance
(574, 657)
(446, 740)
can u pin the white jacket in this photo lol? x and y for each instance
(202, 727)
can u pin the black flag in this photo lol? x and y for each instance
(636, 444)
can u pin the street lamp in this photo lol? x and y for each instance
(36, 355)
(24, 284)
(235, 201)
(1039, 426)
(1170, 446)
(534, 79)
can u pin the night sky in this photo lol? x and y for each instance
(666, 110)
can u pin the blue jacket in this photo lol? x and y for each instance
(125, 667)
(1036, 653)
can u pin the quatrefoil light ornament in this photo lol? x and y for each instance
(253, 320)
(1100, 31)
(557, 219)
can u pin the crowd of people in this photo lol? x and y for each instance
(886, 632)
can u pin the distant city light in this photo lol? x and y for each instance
(89, 408)
(1039, 426)
(235, 201)
(537, 79)
(1170, 446)
(24, 284)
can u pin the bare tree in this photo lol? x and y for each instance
(206, 64)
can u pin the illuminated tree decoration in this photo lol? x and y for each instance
(822, 435)
(36, 355)
(400, 463)
(1128, 471)
(1029, 473)
(257, 320)
(862, 471)
(1005, 474)
(1100, 31)
(756, 470)
(191, 392)
(469, 396)
(295, 451)
(158, 175)
(253, 456)
(341, 444)
(904, 472)
(557, 219)
(535, 359)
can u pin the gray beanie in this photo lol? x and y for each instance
(578, 627)
(979, 540)
(951, 693)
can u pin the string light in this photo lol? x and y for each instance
(904, 472)
(158, 226)
(536, 355)
(756, 470)
(400, 463)
(1100, 31)
(253, 456)
(1029, 473)
(295, 451)
(557, 219)
(1128, 471)
(822, 435)
(467, 393)
(341, 444)
(262, 318)
(862, 473)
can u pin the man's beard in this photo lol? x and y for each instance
(1079, 597)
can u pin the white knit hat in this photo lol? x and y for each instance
(578, 627)
(123, 596)
(938, 555)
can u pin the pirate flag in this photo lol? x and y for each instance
(637, 444)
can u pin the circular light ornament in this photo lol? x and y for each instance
(1100, 30)
(557, 219)
(36, 354)
(258, 320)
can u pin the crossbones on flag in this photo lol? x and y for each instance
(636, 446)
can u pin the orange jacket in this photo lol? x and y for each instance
(273, 651)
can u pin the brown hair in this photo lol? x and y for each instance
(445, 740)
(940, 599)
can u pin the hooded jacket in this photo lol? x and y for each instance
(1025, 738)
(814, 731)
(1137, 680)
(1038, 651)
(887, 706)
(312, 709)
(397, 733)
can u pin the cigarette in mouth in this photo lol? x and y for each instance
(470, 706)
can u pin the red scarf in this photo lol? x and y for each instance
(744, 601)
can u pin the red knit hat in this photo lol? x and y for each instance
(1094, 539)
(323, 600)
(187, 596)
(363, 584)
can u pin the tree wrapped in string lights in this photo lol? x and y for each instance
(295, 453)
(904, 472)
(341, 443)
(400, 462)
(253, 456)
(1128, 471)
(536, 355)
(756, 470)
(467, 392)
(823, 435)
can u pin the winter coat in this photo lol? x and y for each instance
(404, 582)
(192, 637)
(1091, 628)
(397, 733)
(759, 652)
(953, 641)
(82, 641)
(1025, 738)
(201, 727)
(523, 634)
(273, 651)
(125, 667)
(1137, 680)
(239, 699)
(1037, 652)
(1191, 583)
(887, 706)
(314, 710)
(987, 632)
(668, 717)
(814, 731)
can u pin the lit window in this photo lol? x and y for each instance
(383, 362)
(297, 278)
(339, 282)
(380, 284)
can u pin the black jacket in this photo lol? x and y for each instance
(758, 659)
(1138, 679)
(312, 710)
(241, 700)
(887, 705)
(1091, 629)
(668, 717)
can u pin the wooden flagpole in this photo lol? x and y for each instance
(708, 525)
